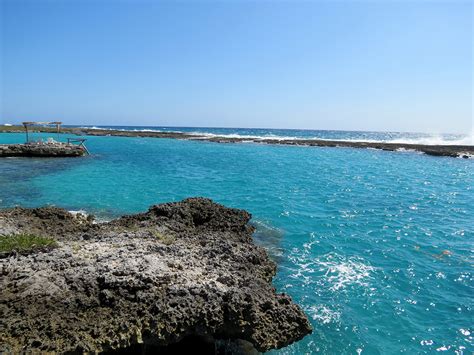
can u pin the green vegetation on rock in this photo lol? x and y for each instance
(22, 243)
(163, 238)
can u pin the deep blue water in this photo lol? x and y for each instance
(376, 246)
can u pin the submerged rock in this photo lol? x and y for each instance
(180, 271)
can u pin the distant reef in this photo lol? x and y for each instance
(183, 277)
(455, 151)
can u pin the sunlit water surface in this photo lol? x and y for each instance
(377, 247)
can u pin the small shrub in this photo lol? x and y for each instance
(24, 243)
(76, 247)
(165, 239)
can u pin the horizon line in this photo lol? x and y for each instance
(260, 128)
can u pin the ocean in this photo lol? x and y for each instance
(376, 246)
(288, 134)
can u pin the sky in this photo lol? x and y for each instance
(394, 65)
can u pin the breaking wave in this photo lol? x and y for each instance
(286, 134)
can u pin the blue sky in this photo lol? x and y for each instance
(353, 65)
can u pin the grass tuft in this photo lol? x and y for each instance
(23, 243)
(165, 239)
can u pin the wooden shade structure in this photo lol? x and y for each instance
(29, 124)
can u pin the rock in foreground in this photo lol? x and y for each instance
(180, 270)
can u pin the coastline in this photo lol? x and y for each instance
(454, 151)
(182, 274)
(322, 215)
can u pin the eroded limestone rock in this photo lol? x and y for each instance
(181, 269)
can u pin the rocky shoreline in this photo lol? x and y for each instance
(41, 150)
(455, 151)
(180, 273)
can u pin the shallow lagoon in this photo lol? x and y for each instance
(376, 246)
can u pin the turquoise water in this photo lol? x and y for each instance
(377, 247)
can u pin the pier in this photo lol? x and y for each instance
(74, 147)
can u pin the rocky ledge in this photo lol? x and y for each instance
(181, 271)
(454, 151)
(41, 150)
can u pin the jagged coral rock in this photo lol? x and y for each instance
(181, 269)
